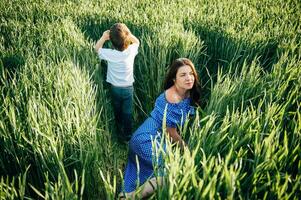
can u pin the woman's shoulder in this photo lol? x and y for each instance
(164, 99)
(172, 98)
(169, 95)
(160, 98)
(174, 109)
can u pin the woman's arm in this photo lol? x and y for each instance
(173, 133)
(99, 44)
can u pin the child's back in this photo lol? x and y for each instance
(120, 65)
(120, 73)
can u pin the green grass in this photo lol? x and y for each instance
(57, 133)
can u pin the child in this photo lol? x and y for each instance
(120, 74)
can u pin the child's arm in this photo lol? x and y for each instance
(134, 39)
(105, 36)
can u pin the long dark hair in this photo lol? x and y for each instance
(171, 76)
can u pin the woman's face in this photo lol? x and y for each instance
(184, 78)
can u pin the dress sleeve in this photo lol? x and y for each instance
(176, 114)
(191, 110)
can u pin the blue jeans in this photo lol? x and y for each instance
(122, 100)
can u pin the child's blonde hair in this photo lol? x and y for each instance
(119, 36)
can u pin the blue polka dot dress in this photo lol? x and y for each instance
(140, 145)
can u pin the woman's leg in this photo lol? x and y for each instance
(129, 195)
(150, 186)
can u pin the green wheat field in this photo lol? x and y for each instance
(57, 131)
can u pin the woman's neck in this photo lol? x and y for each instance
(181, 92)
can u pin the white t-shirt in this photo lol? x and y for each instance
(120, 65)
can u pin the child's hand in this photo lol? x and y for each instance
(133, 39)
(99, 44)
(106, 35)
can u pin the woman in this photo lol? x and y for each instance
(181, 92)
